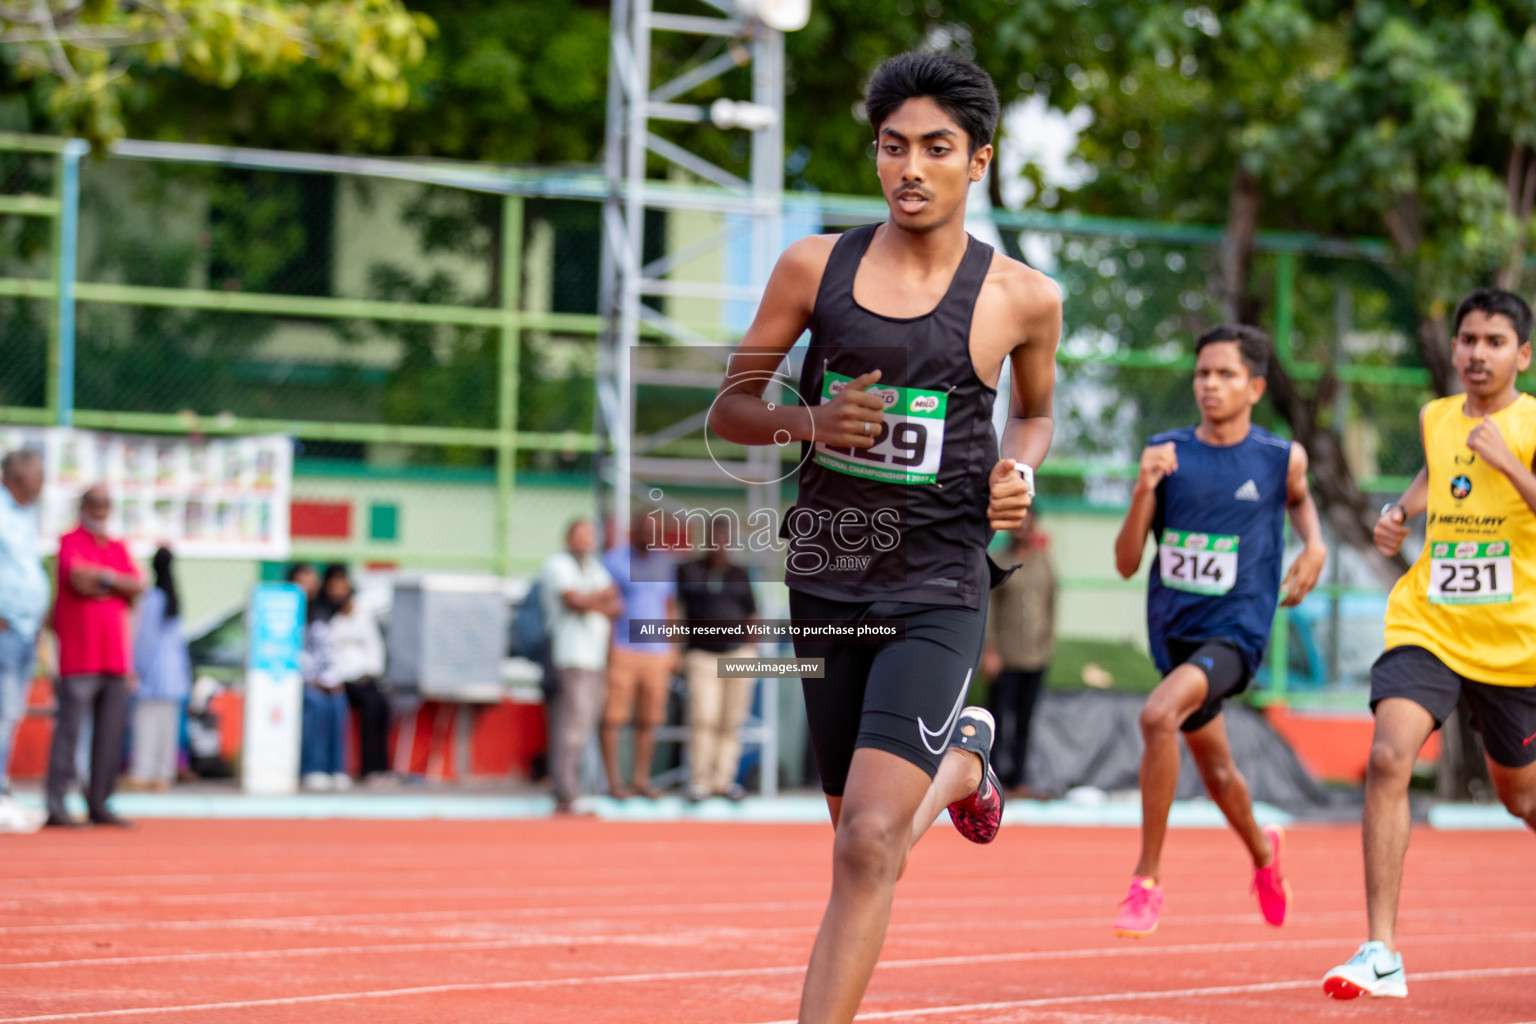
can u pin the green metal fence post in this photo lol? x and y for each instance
(506, 406)
(61, 341)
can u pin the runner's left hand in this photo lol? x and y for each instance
(1009, 498)
(1303, 575)
(1487, 441)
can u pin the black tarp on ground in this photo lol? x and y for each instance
(1091, 738)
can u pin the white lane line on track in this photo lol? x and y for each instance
(352, 922)
(473, 915)
(714, 935)
(42, 901)
(1186, 993)
(45, 901)
(153, 885)
(671, 940)
(502, 986)
(333, 922)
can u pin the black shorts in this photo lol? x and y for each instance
(1226, 674)
(902, 697)
(1505, 716)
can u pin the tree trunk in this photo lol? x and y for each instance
(1520, 194)
(1405, 226)
(1244, 204)
(1435, 346)
(1340, 501)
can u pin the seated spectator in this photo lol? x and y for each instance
(357, 659)
(164, 669)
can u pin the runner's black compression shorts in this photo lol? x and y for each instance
(902, 697)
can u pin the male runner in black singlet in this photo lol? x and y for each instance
(911, 321)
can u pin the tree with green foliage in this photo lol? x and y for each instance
(88, 56)
(1412, 122)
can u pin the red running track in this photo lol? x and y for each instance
(552, 922)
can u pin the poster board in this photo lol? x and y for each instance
(224, 497)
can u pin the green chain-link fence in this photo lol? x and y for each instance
(436, 326)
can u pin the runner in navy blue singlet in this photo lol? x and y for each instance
(901, 484)
(1215, 498)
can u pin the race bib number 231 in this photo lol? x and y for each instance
(1470, 572)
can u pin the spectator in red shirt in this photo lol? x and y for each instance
(98, 582)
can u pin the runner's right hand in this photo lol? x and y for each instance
(853, 416)
(1157, 461)
(1390, 530)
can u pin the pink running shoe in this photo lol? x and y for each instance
(1269, 883)
(980, 815)
(1139, 909)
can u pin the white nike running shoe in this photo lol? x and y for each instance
(1374, 970)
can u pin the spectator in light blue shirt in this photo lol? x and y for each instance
(24, 594)
(639, 673)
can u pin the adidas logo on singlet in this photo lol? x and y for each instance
(1248, 492)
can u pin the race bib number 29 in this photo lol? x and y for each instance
(1470, 573)
(1200, 563)
(909, 445)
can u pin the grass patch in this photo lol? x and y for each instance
(1132, 670)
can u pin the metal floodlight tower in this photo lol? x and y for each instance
(637, 110)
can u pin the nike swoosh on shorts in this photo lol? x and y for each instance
(942, 733)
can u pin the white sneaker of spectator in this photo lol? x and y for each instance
(17, 819)
(316, 782)
(341, 780)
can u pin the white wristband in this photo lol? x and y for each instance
(1028, 476)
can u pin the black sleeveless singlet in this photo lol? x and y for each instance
(905, 520)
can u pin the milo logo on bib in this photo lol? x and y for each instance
(909, 445)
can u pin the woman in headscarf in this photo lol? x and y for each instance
(164, 669)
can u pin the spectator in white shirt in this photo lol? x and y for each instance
(580, 599)
(357, 659)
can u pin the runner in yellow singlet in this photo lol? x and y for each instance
(1462, 621)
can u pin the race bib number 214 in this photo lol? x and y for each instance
(1200, 563)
